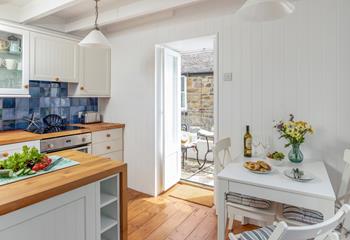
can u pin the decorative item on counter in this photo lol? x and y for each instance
(33, 122)
(294, 132)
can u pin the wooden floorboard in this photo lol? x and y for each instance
(168, 218)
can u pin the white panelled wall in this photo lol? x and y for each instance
(300, 65)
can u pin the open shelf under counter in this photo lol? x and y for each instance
(106, 199)
(109, 208)
(111, 234)
(107, 223)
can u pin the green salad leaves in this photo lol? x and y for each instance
(26, 159)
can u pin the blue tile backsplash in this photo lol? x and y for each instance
(46, 98)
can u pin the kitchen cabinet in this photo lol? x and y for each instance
(95, 73)
(53, 58)
(108, 143)
(14, 61)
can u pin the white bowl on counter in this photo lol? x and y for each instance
(274, 162)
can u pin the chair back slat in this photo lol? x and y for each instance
(222, 155)
(345, 180)
(318, 231)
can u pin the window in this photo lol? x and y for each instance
(183, 93)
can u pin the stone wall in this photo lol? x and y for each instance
(200, 101)
(198, 67)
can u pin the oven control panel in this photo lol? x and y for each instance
(67, 142)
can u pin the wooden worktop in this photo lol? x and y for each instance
(17, 136)
(95, 127)
(24, 193)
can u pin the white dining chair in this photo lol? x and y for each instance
(246, 207)
(281, 231)
(302, 216)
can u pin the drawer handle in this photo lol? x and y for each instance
(26, 86)
(82, 88)
(108, 147)
(5, 154)
(57, 79)
(108, 135)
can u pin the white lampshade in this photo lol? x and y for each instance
(265, 10)
(95, 39)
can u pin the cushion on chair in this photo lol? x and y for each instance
(248, 201)
(258, 234)
(304, 215)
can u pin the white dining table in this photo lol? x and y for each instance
(317, 194)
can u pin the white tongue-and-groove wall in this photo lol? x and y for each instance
(298, 65)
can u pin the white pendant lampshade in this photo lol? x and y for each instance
(95, 38)
(265, 10)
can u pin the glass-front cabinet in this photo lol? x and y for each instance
(14, 61)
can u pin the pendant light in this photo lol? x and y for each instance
(95, 38)
(265, 10)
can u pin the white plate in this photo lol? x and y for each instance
(258, 172)
(305, 178)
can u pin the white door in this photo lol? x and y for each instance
(171, 117)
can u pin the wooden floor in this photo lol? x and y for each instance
(165, 217)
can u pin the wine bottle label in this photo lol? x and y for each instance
(248, 143)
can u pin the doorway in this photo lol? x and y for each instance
(186, 110)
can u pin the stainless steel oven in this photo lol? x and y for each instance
(79, 142)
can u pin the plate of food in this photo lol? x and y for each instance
(275, 158)
(298, 175)
(259, 167)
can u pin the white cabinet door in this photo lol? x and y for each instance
(69, 216)
(53, 58)
(14, 61)
(95, 72)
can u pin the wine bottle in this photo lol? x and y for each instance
(247, 143)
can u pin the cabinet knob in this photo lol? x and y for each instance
(26, 86)
(5, 154)
(57, 79)
(108, 135)
(108, 147)
(82, 88)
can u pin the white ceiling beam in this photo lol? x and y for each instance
(131, 11)
(37, 9)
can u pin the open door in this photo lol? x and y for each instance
(169, 67)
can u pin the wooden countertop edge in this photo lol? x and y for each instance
(88, 128)
(44, 195)
(96, 127)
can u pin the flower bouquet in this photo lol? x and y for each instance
(294, 132)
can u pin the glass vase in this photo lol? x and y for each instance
(295, 155)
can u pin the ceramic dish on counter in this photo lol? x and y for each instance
(275, 158)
